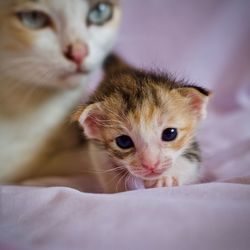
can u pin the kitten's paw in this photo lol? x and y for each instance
(164, 181)
(168, 181)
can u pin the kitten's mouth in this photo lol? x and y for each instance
(153, 175)
(149, 175)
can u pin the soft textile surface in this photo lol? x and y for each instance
(208, 42)
(209, 216)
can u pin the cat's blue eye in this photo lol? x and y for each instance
(124, 142)
(34, 19)
(101, 13)
(169, 134)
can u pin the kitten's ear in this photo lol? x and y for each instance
(114, 64)
(197, 98)
(90, 118)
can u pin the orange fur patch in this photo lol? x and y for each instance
(12, 28)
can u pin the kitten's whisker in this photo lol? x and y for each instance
(113, 169)
(103, 171)
(115, 177)
(126, 180)
(119, 181)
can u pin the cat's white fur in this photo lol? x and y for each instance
(39, 86)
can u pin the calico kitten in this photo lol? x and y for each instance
(142, 125)
(48, 48)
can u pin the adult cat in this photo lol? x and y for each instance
(48, 48)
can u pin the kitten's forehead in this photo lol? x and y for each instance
(140, 110)
(140, 95)
(146, 101)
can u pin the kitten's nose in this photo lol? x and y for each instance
(76, 52)
(151, 167)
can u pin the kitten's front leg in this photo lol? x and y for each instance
(184, 171)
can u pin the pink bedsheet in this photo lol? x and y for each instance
(208, 42)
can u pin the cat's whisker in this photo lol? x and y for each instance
(104, 171)
(126, 181)
(27, 59)
(115, 177)
(49, 76)
(9, 92)
(32, 90)
(137, 168)
(21, 64)
(119, 181)
(12, 64)
(28, 94)
(14, 86)
(113, 169)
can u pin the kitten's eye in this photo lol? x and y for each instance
(169, 134)
(101, 13)
(124, 142)
(34, 19)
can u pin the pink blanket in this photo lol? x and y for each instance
(208, 42)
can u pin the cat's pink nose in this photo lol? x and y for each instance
(76, 52)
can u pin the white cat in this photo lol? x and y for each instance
(47, 51)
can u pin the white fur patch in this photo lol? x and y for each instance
(42, 63)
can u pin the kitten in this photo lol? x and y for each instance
(48, 49)
(142, 125)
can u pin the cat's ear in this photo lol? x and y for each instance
(197, 98)
(91, 119)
